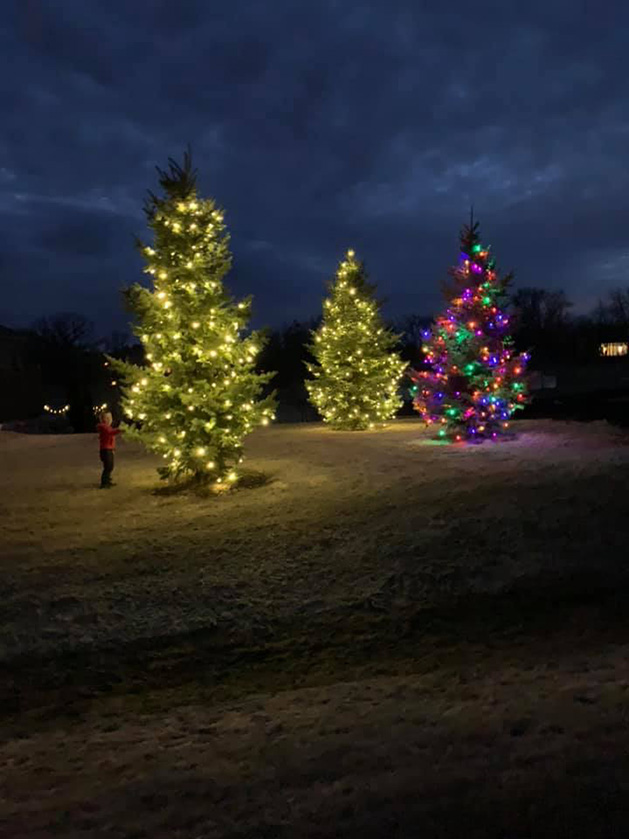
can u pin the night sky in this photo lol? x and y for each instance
(318, 125)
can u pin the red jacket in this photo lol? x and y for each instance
(107, 436)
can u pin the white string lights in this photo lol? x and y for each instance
(198, 396)
(356, 377)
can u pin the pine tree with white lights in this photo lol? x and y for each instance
(355, 385)
(196, 398)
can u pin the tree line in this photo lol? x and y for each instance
(64, 353)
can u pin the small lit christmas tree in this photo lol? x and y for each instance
(356, 375)
(475, 381)
(197, 397)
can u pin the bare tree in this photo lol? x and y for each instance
(617, 307)
(543, 323)
(63, 349)
(65, 330)
(539, 309)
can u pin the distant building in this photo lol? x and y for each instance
(541, 381)
(614, 349)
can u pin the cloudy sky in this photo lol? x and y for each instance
(318, 125)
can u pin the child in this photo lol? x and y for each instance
(107, 441)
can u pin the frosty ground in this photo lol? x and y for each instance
(378, 637)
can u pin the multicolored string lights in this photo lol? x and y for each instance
(475, 380)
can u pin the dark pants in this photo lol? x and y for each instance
(107, 459)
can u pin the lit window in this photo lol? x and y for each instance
(614, 349)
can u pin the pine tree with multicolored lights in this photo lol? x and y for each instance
(197, 396)
(475, 380)
(355, 385)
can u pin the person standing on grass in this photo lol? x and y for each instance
(107, 443)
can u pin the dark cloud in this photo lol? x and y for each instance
(81, 233)
(318, 126)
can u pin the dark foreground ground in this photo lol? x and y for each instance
(388, 638)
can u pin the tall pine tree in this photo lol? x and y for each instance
(196, 398)
(357, 373)
(475, 379)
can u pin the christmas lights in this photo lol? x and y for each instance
(355, 385)
(57, 412)
(199, 397)
(474, 382)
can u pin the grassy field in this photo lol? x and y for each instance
(379, 637)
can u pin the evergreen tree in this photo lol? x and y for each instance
(356, 374)
(475, 381)
(197, 396)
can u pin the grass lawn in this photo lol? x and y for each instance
(387, 638)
